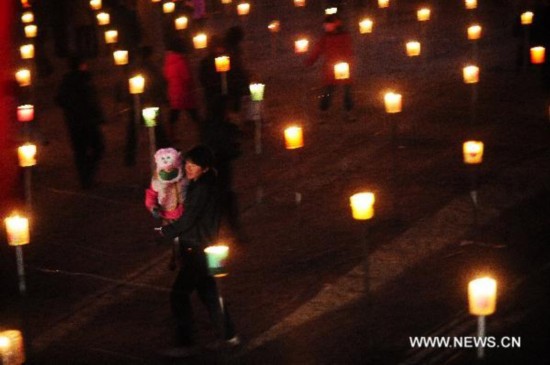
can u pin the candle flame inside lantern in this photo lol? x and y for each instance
(222, 64)
(95, 4)
(200, 41)
(362, 205)
(294, 137)
(470, 4)
(121, 57)
(27, 155)
(470, 74)
(301, 45)
(527, 18)
(27, 17)
(474, 32)
(274, 26)
(472, 152)
(168, 7)
(243, 8)
(392, 102)
(31, 30)
(103, 18)
(413, 48)
(365, 26)
(482, 294)
(18, 230)
(538, 55)
(341, 71)
(27, 51)
(423, 14)
(181, 22)
(25, 113)
(137, 84)
(23, 77)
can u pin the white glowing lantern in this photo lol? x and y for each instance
(301, 45)
(27, 17)
(103, 18)
(470, 74)
(181, 22)
(111, 36)
(200, 41)
(362, 205)
(257, 92)
(216, 257)
(472, 152)
(413, 48)
(27, 155)
(27, 51)
(136, 84)
(330, 11)
(168, 7)
(17, 229)
(23, 77)
(121, 57)
(341, 71)
(95, 4)
(30, 30)
(365, 26)
(392, 102)
(243, 8)
(482, 296)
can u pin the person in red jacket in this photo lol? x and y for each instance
(335, 46)
(181, 88)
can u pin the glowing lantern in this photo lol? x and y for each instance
(216, 257)
(470, 74)
(243, 8)
(30, 30)
(383, 4)
(137, 84)
(301, 45)
(17, 229)
(11, 347)
(25, 113)
(392, 102)
(474, 32)
(527, 18)
(168, 7)
(181, 22)
(341, 71)
(222, 64)
(294, 138)
(257, 92)
(423, 14)
(27, 155)
(274, 26)
(413, 48)
(27, 51)
(537, 55)
(472, 152)
(200, 41)
(95, 4)
(111, 36)
(23, 77)
(103, 18)
(365, 26)
(27, 17)
(482, 296)
(362, 205)
(120, 57)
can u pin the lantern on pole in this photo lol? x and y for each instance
(121, 57)
(23, 77)
(362, 205)
(538, 55)
(243, 9)
(482, 301)
(103, 18)
(200, 41)
(527, 18)
(27, 51)
(25, 113)
(11, 347)
(474, 32)
(392, 102)
(413, 48)
(27, 155)
(470, 74)
(27, 17)
(365, 26)
(341, 71)
(472, 152)
(301, 45)
(216, 257)
(17, 229)
(294, 137)
(30, 31)
(181, 22)
(423, 15)
(95, 4)
(168, 7)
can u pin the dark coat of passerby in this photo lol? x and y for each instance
(211, 81)
(78, 98)
(196, 229)
(238, 79)
(334, 46)
(181, 87)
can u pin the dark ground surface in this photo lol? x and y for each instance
(98, 281)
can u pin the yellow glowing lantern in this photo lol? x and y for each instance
(111, 36)
(383, 4)
(30, 30)
(121, 57)
(27, 51)
(362, 205)
(470, 74)
(11, 347)
(474, 32)
(257, 91)
(95, 4)
(25, 113)
(225, 2)
(392, 102)
(330, 11)
(150, 116)
(301, 45)
(527, 18)
(17, 229)
(23, 77)
(181, 22)
(413, 48)
(423, 14)
(538, 55)
(470, 4)
(27, 155)
(200, 41)
(103, 18)
(137, 84)
(168, 7)
(299, 3)
(222, 64)
(156, 1)
(472, 152)
(294, 137)
(365, 26)
(341, 71)
(482, 296)
(216, 257)
(274, 26)
(243, 8)
(27, 17)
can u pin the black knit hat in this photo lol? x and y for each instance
(200, 155)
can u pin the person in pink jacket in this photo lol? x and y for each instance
(335, 46)
(181, 88)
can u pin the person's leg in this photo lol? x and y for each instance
(348, 97)
(181, 306)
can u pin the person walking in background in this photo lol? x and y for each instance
(237, 78)
(78, 98)
(196, 229)
(211, 82)
(335, 46)
(181, 88)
